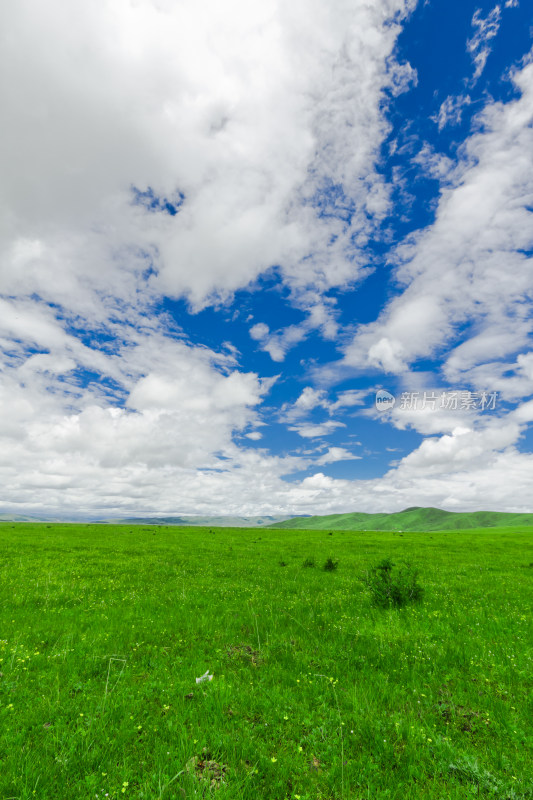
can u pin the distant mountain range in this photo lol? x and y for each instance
(218, 522)
(6, 517)
(415, 518)
(410, 519)
(215, 522)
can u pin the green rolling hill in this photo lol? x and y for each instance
(410, 519)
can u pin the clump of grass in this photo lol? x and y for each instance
(392, 585)
(467, 770)
(330, 565)
(309, 562)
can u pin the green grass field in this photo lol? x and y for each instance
(315, 694)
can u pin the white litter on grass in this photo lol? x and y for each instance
(205, 677)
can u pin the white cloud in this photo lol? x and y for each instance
(254, 435)
(316, 482)
(334, 454)
(312, 431)
(451, 110)
(461, 487)
(259, 331)
(310, 398)
(484, 30)
(320, 314)
(462, 448)
(178, 458)
(183, 415)
(278, 343)
(471, 264)
(386, 354)
(349, 398)
(434, 164)
(474, 466)
(481, 362)
(525, 365)
(248, 110)
(251, 111)
(242, 114)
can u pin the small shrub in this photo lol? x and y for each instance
(330, 565)
(309, 562)
(393, 587)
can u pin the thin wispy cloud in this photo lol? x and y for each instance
(485, 29)
(451, 110)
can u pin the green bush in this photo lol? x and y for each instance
(309, 562)
(392, 585)
(330, 565)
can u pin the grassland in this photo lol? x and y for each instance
(315, 694)
(410, 519)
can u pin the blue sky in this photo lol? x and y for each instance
(226, 227)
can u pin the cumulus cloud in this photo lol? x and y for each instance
(254, 435)
(259, 331)
(462, 448)
(164, 458)
(453, 271)
(155, 151)
(433, 164)
(313, 431)
(245, 113)
(310, 398)
(477, 464)
(334, 454)
(348, 399)
(181, 414)
(278, 343)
